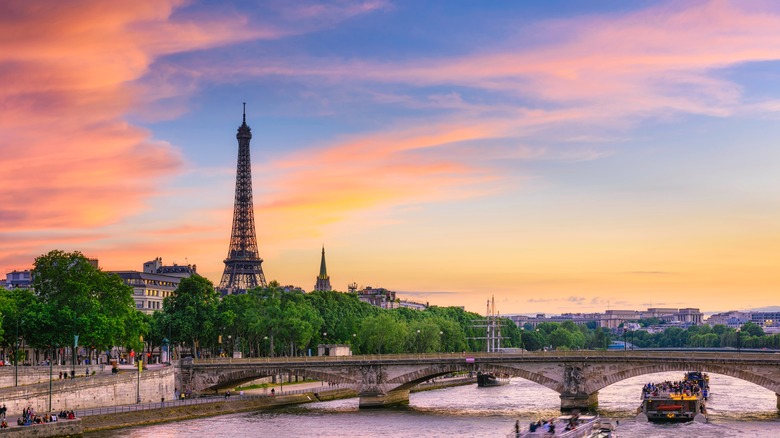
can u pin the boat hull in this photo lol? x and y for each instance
(488, 380)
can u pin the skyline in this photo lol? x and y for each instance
(568, 156)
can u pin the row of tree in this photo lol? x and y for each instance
(749, 335)
(73, 302)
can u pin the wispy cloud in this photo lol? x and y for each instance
(72, 72)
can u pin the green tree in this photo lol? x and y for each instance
(193, 311)
(753, 329)
(382, 334)
(78, 299)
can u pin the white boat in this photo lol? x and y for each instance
(604, 428)
(566, 426)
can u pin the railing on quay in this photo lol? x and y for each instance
(199, 401)
(688, 354)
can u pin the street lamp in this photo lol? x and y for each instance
(230, 342)
(537, 338)
(16, 356)
(265, 338)
(418, 340)
(441, 333)
(166, 350)
(51, 372)
(140, 364)
(625, 338)
(522, 344)
(738, 343)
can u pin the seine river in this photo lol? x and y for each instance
(737, 409)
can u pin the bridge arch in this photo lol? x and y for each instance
(414, 378)
(759, 376)
(233, 377)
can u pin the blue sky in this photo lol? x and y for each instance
(562, 156)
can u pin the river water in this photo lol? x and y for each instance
(736, 409)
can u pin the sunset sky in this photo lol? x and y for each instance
(560, 155)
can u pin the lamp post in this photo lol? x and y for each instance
(441, 333)
(265, 338)
(418, 340)
(625, 339)
(51, 373)
(140, 364)
(522, 344)
(16, 356)
(537, 337)
(738, 340)
(166, 350)
(230, 340)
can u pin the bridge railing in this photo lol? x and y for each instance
(529, 355)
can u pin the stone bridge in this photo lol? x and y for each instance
(382, 380)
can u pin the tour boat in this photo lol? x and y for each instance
(663, 403)
(485, 380)
(566, 426)
(604, 428)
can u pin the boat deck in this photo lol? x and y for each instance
(583, 428)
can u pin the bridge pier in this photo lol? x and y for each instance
(381, 400)
(580, 401)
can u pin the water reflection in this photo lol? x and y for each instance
(736, 408)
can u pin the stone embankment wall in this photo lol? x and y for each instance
(179, 413)
(60, 428)
(91, 392)
(39, 374)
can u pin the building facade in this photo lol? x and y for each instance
(156, 282)
(18, 279)
(379, 297)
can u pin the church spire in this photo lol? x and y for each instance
(323, 269)
(323, 281)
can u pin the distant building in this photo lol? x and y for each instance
(766, 319)
(334, 350)
(731, 319)
(18, 279)
(686, 316)
(412, 305)
(156, 282)
(379, 297)
(323, 280)
(293, 289)
(577, 318)
(612, 319)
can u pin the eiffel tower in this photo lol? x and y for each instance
(243, 265)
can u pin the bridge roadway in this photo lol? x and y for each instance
(382, 380)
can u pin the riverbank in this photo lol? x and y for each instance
(236, 404)
(233, 405)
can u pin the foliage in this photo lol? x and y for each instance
(193, 310)
(73, 297)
